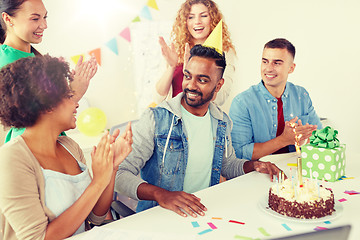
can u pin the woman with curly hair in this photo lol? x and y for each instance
(194, 22)
(46, 191)
(23, 23)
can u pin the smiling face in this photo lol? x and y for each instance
(198, 23)
(27, 25)
(64, 114)
(201, 81)
(276, 65)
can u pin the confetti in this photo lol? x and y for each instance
(286, 227)
(217, 218)
(233, 221)
(320, 228)
(352, 192)
(205, 231)
(195, 224)
(245, 238)
(341, 178)
(263, 231)
(211, 225)
(345, 177)
(327, 222)
(342, 200)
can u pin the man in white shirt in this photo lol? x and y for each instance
(184, 144)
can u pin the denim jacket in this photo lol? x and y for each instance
(254, 115)
(160, 151)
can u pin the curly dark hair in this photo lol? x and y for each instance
(32, 86)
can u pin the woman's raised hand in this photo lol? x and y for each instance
(122, 145)
(186, 54)
(84, 71)
(169, 53)
(102, 160)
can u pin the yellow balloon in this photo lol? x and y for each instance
(91, 121)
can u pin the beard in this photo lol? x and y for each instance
(203, 99)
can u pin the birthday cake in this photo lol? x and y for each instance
(307, 201)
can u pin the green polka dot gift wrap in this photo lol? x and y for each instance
(325, 163)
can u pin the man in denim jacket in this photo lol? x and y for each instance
(267, 116)
(184, 144)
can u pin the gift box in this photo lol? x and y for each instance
(324, 157)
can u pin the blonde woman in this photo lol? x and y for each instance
(194, 22)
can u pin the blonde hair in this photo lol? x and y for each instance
(181, 35)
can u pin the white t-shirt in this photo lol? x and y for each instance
(201, 151)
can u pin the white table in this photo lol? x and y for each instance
(238, 199)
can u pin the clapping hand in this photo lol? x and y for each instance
(122, 146)
(102, 161)
(84, 71)
(169, 53)
(297, 130)
(186, 54)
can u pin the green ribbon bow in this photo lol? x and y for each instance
(325, 138)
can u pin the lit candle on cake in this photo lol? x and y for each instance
(299, 161)
(299, 171)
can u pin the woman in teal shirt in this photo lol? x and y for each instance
(23, 23)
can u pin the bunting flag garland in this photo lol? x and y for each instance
(97, 54)
(75, 59)
(112, 44)
(152, 4)
(152, 105)
(137, 19)
(145, 12)
(126, 34)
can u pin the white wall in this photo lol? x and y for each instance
(325, 33)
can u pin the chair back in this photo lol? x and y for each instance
(122, 126)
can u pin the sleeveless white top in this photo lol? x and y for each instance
(62, 190)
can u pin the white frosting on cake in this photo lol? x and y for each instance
(310, 191)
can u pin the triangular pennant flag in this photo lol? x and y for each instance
(112, 44)
(97, 54)
(145, 12)
(152, 105)
(126, 34)
(152, 4)
(137, 19)
(75, 59)
(214, 40)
